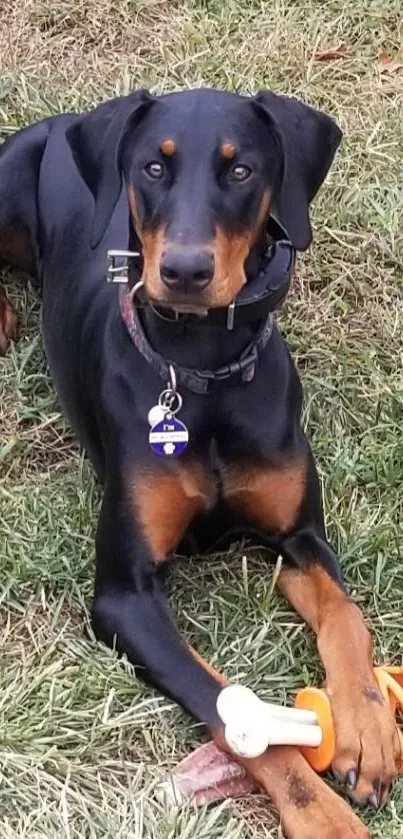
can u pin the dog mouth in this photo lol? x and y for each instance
(180, 307)
(187, 308)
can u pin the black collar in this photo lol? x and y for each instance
(199, 381)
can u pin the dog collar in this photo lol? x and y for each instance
(199, 381)
(256, 299)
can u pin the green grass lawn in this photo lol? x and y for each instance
(82, 741)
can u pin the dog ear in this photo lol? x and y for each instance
(310, 140)
(96, 141)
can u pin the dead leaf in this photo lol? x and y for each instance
(390, 63)
(331, 53)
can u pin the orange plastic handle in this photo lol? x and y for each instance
(390, 681)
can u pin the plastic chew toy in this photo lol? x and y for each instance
(251, 726)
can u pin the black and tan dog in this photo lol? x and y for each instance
(194, 181)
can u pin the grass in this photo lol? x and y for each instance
(82, 742)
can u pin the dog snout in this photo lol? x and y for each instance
(187, 269)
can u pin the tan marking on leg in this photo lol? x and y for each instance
(366, 735)
(8, 323)
(166, 503)
(16, 249)
(271, 497)
(219, 677)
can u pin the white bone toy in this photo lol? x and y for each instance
(251, 725)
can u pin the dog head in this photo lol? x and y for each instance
(203, 170)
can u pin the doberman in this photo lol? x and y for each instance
(211, 188)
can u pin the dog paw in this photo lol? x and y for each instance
(8, 323)
(368, 750)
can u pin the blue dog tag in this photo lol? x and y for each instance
(169, 437)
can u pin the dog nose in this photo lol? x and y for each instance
(188, 269)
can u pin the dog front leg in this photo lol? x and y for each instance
(130, 612)
(367, 744)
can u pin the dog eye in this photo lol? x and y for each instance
(154, 170)
(240, 172)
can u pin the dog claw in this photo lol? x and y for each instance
(373, 800)
(352, 779)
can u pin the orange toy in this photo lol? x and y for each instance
(390, 681)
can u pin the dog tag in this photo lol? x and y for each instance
(168, 438)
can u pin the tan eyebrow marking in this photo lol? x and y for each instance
(227, 150)
(168, 147)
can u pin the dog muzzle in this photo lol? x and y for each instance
(257, 299)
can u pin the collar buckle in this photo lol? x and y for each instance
(245, 367)
(231, 316)
(118, 265)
